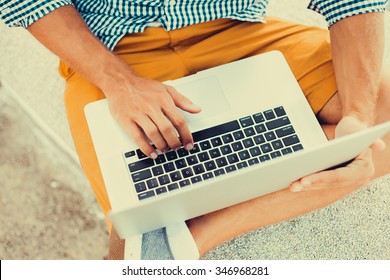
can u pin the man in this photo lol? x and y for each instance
(122, 50)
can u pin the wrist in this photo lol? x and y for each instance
(114, 73)
(360, 106)
(365, 117)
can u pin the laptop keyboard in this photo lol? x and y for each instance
(218, 150)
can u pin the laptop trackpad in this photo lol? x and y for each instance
(207, 94)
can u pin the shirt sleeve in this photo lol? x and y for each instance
(335, 10)
(25, 12)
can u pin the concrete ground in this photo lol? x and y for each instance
(48, 211)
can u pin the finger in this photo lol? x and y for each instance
(378, 145)
(182, 102)
(182, 128)
(296, 186)
(152, 132)
(167, 130)
(140, 140)
(356, 173)
(180, 124)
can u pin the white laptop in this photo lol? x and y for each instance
(255, 135)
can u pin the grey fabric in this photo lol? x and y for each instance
(155, 246)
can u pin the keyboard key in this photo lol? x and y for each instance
(161, 190)
(163, 180)
(266, 148)
(171, 155)
(246, 121)
(140, 187)
(152, 183)
(158, 170)
(259, 139)
(253, 161)
(237, 146)
(238, 135)
(203, 156)
(180, 163)
(142, 164)
(187, 172)
(297, 147)
(264, 158)
(226, 150)
(214, 153)
(244, 155)
(269, 114)
(278, 123)
(241, 165)
(191, 160)
(215, 131)
(140, 154)
(168, 167)
(130, 154)
(227, 138)
(175, 176)
(198, 169)
(205, 145)
(280, 111)
(216, 142)
(255, 151)
(173, 186)
(230, 168)
(248, 143)
(270, 136)
(258, 117)
(219, 172)
(291, 140)
(221, 161)
(182, 152)
(210, 165)
(141, 175)
(260, 128)
(284, 131)
(232, 158)
(195, 150)
(276, 154)
(286, 151)
(277, 144)
(184, 183)
(249, 131)
(160, 159)
(207, 176)
(196, 179)
(146, 195)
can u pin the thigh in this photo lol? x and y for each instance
(306, 49)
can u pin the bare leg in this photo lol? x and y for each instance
(212, 229)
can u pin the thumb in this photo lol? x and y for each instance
(182, 102)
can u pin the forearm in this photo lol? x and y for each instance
(145, 108)
(65, 33)
(357, 48)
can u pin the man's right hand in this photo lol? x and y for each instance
(147, 110)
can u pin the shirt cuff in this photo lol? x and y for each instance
(25, 12)
(335, 10)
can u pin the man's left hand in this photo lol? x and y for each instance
(357, 173)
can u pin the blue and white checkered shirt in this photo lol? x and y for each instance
(110, 20)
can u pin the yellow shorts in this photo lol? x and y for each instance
(163, 55)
